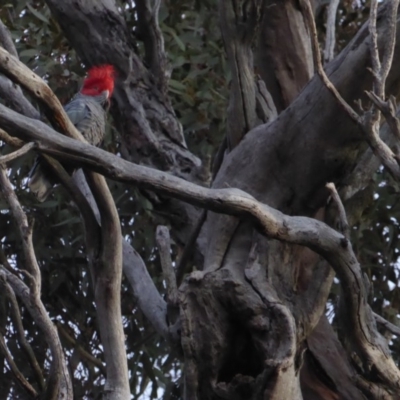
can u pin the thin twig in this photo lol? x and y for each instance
(369, 122)
(378, 146)
(164, 247)
(392, 328)
(373, 47)
(5, 263)
(19, 377)
(14, 98)
(189, 247)
(38, 88)
(17, 321)
(309, 16)
(344, 225)
(380, 71)
(91, 226)
(11, 140)
(59, 383)
(6, 40)
(389, 110)
(25, 230)
(86, 355)
(330, 31)
(18, 153)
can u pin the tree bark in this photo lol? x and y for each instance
(311, 143)
(283, 55)
(251, 320)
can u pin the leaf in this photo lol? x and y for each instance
(179, 42)
(72, 220)
(47, 204)
(37, 14)
(177, 85)
(28, 53)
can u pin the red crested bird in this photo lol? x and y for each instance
(87, 111)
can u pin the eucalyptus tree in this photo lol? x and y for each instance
(236, 235)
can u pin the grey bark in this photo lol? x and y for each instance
(297, 155)
(145, 292)
(239, 22)
(59, 383)
(283, 55)
(231, 290)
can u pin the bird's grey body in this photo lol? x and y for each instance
(88, 115)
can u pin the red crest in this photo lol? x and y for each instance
(99, 79)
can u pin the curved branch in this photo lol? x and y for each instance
(26, 347)
(24, 230)
(11, 140)
(150, 301)
(392, 328)
(37, 87)
(163, 240)
(309, 17)
(59, 384)
(107, 271)
(15, 99)
(15, 370)
(85, 354)
(6, 40)
(145, 292)
(299, 230)
(107, 275)
(17, 153)
(12, 93)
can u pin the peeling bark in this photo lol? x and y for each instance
(283, 55)
(297, 154)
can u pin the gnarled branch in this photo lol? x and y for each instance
(299, 230)
(60, 381)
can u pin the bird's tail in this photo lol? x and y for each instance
(40, 183)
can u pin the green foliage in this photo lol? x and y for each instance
(376, 241)
(198, 86)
